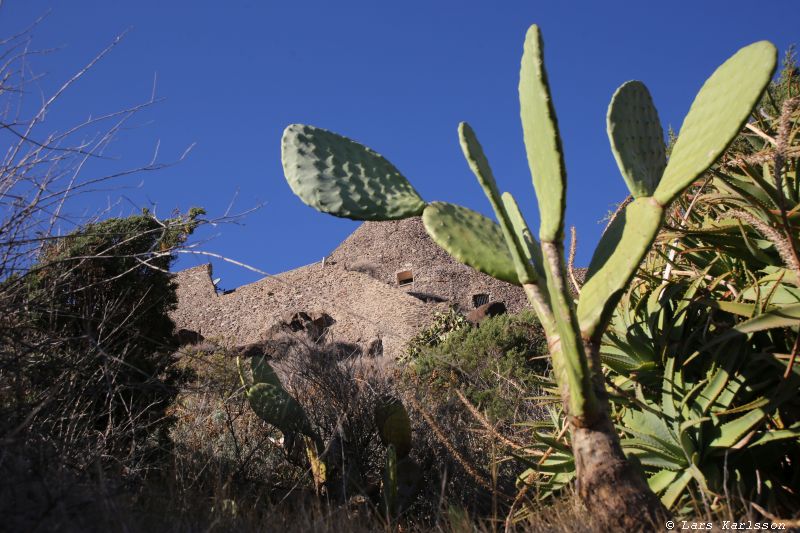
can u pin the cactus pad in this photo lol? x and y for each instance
(637, 139)
(718, 112)
(337, 175)
(394, 425)
(478, 163)
(542, 142)
(473, 153)
(262, 371)
(616, 259)
(275, 406)
(471, 238)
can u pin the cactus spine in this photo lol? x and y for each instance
(508, 251)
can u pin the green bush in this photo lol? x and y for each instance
(87, 339)
(495, 365)
(442, 325)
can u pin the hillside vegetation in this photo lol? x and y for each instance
(686, 378)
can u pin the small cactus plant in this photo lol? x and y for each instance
(275, 405)
(402, 475)
(342, 177)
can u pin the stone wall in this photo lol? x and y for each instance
(382, 249)
(357, 286)
(363, 309)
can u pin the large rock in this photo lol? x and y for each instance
(479, 314)
(313, 323)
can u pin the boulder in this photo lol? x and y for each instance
(479, 314)
(314, 323)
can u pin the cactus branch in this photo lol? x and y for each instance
(567, 347)
(473, 153)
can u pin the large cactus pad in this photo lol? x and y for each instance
(616, 260)
(275, 406)
(470, 238)
(394, 425)
(718, 112)
(542, 142)
(637, 139)
(337, 175)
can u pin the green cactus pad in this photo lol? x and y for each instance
(637, 139)
(394, 425)
(337, 175)
(615, 261)
(277, 407)
(262, 371)
(533, 253)
(479, 164)
(471, 238)
(718, 113)
(542, 142)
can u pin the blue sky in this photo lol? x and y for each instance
(396, 76)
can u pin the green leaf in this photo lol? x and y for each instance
(339, 176)
(782, 317)
(732, 432)
(637, 139)
(542, 142)
(673, 493)
(661, 480)
(718, 113)
(471, 238)
(792, 432)
(734, 308)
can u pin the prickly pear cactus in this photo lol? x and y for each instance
(717, 114)
(471, 238)
(339, 176)
(637, 139)
(336, 175)
(272, 403)
(394, 425)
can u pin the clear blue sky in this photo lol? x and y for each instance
(397, 76)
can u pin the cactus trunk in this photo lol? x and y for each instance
(613, 492)
(609, 486)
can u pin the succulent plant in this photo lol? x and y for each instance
(337, 177)
(275, 405)
(344, 178)
(394, 425)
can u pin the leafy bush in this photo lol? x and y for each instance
(87, 340)
(434, 334)
(495, 364)
(469, 388)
